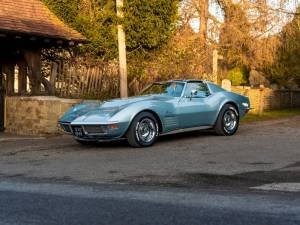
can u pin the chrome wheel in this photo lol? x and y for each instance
(146, 130)
(230, 121)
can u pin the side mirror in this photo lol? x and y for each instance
(194, 93)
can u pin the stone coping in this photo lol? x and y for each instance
(44, 98)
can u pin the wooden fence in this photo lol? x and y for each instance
(89, 82)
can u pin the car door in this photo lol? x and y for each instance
(195, 110)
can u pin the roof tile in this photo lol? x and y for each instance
(32, 17)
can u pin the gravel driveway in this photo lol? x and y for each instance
(260, 152)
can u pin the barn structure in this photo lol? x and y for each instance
(27, 27)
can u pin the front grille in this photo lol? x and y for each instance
(78, 131)
(66, 128)
(95, 129)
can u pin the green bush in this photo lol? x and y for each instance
(238, 76)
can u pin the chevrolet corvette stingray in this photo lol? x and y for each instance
(161, 108)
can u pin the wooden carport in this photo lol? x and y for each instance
(27, 27)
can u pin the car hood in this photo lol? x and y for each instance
(128, 101)
(92, 111)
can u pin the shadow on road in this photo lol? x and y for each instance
(118, 145)
(240, 181)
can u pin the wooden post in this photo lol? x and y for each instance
(261, 102)
(10, 78)
(53, 75)
(216, 58)
(291, 99)
(33, 60)
(1, 101)
(215, 66)
(122, 52)
(22, 77)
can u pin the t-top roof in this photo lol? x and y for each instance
(32, 17)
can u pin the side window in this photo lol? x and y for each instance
(201, 88)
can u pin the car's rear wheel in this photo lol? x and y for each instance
(143, 131)
(228, 121)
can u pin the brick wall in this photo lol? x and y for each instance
(268, 99)
(35, 115)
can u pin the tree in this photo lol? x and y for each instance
(148, 23)
(235, 38)
(96, 19)
(285, 68)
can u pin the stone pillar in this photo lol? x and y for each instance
(226, 84)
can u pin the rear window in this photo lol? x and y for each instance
(215, 88)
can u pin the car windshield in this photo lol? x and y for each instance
(172, 89)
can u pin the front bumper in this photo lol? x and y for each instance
(100, 140)
(95, 132)
(247, 109)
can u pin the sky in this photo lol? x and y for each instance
(282, 17)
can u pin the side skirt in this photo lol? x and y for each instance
(187, 130)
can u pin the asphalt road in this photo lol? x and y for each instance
(191, 178)
(259, 153)
(65, 204)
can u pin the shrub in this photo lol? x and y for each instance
(238, 76)
(256, 78)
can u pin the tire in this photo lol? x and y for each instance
(227, 123)
(143, 131)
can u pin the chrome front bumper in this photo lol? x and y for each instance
(93, 132)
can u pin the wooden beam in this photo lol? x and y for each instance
(22, 77)
(33, 60)
(53, 76)
(9, 69)
(1, 101)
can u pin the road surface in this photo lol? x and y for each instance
(66, 204)
(192, 178)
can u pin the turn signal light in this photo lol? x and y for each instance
(113, 126)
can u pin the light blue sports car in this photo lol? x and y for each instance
(162, 108)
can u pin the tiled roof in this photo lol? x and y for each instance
(32, 17)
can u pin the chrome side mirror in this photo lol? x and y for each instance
(194, 93)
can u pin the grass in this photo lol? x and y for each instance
(271, 115)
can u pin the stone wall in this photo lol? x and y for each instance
(39, 115)
(35, 115)
(267, 99)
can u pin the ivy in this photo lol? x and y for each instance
(148, 24)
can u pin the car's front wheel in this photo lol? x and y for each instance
(143, 130)
(228, 121)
